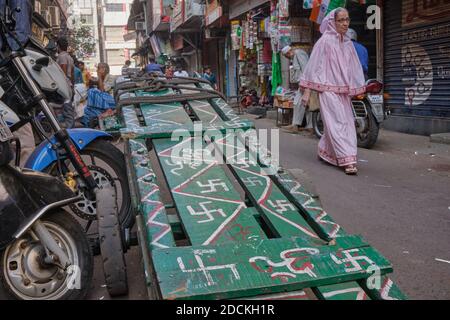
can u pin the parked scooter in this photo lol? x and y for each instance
(44, 252)
(28, 77)
(369, 113)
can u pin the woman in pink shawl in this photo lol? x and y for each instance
(335, 72)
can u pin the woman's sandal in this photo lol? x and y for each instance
(351, 170)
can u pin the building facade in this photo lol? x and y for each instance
(112, 25)
(407, 42)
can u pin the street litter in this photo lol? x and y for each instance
(440, 260)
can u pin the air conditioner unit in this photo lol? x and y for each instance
(55, 17)
(140, 25)
(37, 6)
(46, 15)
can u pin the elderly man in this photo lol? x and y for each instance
(299, 60)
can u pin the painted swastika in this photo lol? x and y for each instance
(252, 181)
(281, 206)
(213, 185)
(205, 212)
(206, 270)
(351, 260)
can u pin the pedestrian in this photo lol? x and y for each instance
(100, 98)
(65, 61)
(125, 67)
(78, 74)
(362, 52)
(335, 72)
(299, 60)
(85, 73)
(180, 72)
(169, 72)
(153, 67)
(208, 75)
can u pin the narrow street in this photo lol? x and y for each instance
(399, 202)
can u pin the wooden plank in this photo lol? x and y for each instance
(292, 295)
(159, 233)
(130, 118)
(342, 291)
(155, 132)
(211, 210)
(280, 214)
(315, 214)
(388, 290)
(264, 267)
(163, 115)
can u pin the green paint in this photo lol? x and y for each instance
(210, 208)
(315, 214)
(387, 289)
(342, 291)
(159, 232)
(254, 268)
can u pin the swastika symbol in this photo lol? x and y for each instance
(252, 181)
(205, 212)
(351, 260)
(207, 270)
(212, 184)
(281, 206)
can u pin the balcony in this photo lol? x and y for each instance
(187, 16)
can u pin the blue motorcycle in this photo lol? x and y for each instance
(83, 158)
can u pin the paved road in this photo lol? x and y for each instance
(399, 202)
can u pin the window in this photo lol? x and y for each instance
(114, 33)
(85, 4)
(115, 57)
(115, 7)
(87, 19)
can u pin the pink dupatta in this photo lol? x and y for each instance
(334, 65)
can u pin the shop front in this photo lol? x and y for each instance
(249, 51)
(417, 65)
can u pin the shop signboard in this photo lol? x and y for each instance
(214, 15)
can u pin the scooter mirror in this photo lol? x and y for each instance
(374, 87)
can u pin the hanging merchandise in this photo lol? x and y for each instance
(307, 4)
(315, 10)
(323, 11)
(284, 8)
(334, 4)
(276, 72)
(236, 33)
(284, 29)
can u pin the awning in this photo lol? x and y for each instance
(238, 7)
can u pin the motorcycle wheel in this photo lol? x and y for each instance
(23, 276)
(368, 138)
(317, 124)
(107, 164)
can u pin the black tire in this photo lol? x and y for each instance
(111, 249)
(317, 124)
(68, 225)
(369, 139)
(115, 159)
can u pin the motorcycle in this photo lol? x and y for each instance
(44, 252)
(29, 80)
(369, 113)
